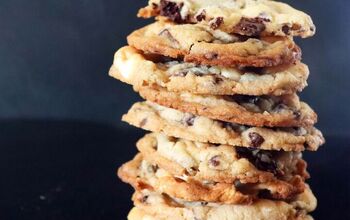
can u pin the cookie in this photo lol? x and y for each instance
(139, 214)
(244, 17)
(159, 206)
(144, 175)
(270, 111)
(134, 67)
(279, 174)
(197, 44)
(156, 118)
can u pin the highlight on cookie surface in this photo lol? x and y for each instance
(137, 68)
(245, 17)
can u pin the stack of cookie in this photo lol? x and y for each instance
(220, 78)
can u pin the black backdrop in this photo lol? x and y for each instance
(60, 111)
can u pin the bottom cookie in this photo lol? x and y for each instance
(153, 206)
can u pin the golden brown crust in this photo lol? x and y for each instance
(223, 109)
(134, 67)
(152, 117)
(197, 45)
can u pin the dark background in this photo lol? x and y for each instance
(60, 135)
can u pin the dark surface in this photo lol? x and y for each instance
(55, 55)
(66, 170)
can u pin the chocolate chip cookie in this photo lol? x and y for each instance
(270, 111)
(134, 67)
(152, 204)
(200, 45)
(156, 118)
(278, 174)
(245, 17)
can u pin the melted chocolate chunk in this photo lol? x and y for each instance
(262, 159)
(218, 80)
(152, 168)
(154, 5)
(286, 29)
(297, 114)
(144, 199)
(246, 99)
(250, 26)
(216, 22)
(214, 161)
(256, 139)
(265, 194)
(181, 73)
(251, 69)
(171, 10)
(201, 16)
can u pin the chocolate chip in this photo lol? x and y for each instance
(166, 33)
(154, 5)
(250, 26)
(256, 139)
(144, 199)
(189, 119)
(204, 203)
(307, 146)
(201, 16)
(245, 99)
(214, 161)
(297, 114)
(286, 29)
(265, 194)
(250, 69)
(216, 22)
(262, 159)
(152, 168)
(143, 122)
(211, 56)
(217, 80)
(171, 10)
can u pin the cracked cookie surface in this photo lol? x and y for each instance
(245, 17)
(156, 118)
(196, 44)
(134, 67)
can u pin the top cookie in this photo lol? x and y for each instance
(245, 17)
